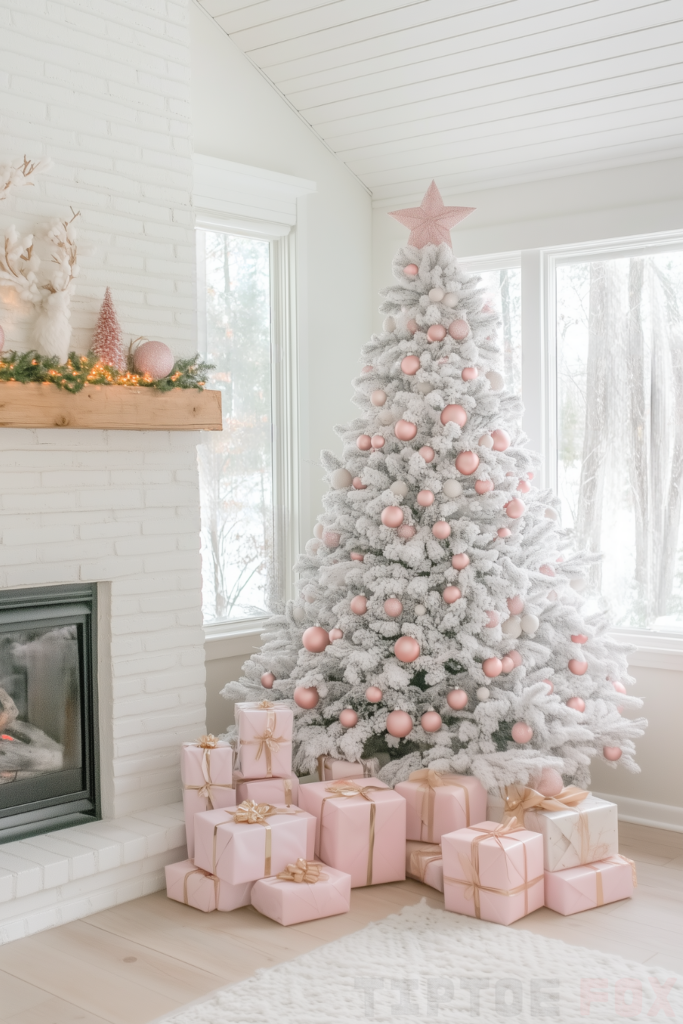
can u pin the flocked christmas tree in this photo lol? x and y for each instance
(107, 344)
(439, 620)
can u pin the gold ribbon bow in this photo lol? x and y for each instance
(470, 866)
(251, 813)
(207, 874)
(347, 788)
(429, 781)
(303, 871)
(209, 742)
(265, 704)
(519, 799)
(267, 743)
(205, 789)
(418, 858)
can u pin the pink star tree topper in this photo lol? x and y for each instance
(431, 221)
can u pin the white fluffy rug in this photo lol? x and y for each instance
(425, 965)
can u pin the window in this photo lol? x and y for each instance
(236, 466)
(501, 278)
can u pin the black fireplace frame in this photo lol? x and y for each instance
(58, 605)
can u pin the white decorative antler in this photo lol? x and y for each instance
(18, 175)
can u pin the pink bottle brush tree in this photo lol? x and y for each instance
(108, 343)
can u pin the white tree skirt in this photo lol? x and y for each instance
(426, 965)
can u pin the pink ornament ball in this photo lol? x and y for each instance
(426, 452)
(441, 530)
(348, 718)
(306, 697)
(378, 397)
(454, 414)
(410, 365)
(358, 484)
(406, 532)
(548, 783)
(483, 486)
(458, 330)
(612, 753)
(404, 430)
(377, 441)
(425, 498)
(373, 694)
(521, 732)
(523, 486)
(412, 326)
(356, 556)
(331, 539)
(507, 663)
(364, 443)
(392, 516)
(504, 533)
(267, 680)
(578, 667)
(470, 373)
(547, 570)
(516, 658)
(515, 508)
(492, 619)
(315, 639)
(492, 667)
(399, 724)
(551, 686)
(466, 463)
(359, 604)
(336, 634)
(501, 440)
(457, 699)
(411, 270)
(366, 369)
(431, 721)
(407, 649)
(154, 359)
(451, 595)
(579, 638)
(460, 561)
(619, 687)
(576, 703)
(436, 333)
(393, 607)
(515, 605)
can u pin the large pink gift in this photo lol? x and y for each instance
(264, 739)
(438, 803)
(197, 888)
(330, 769)
(424, 863)
(361, 828)
(493, 871)
(206, 773)
(252, 841)
(590, 885)
(304, 891)
(268, 791)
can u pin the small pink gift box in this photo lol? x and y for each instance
(438, 803)
(424, 863)
(330, 769)
(361, 828)
(268, 791)
(206, 773)
(590, 885)
(265, 739)
(252, 841)
(197, 888)
(306, 891)
(493, 872)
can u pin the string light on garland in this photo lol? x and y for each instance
(34, 368)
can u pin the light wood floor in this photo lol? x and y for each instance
(139, 961)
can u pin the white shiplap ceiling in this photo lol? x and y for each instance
(475, 93)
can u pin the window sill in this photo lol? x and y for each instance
(233, 639)
(653, 650)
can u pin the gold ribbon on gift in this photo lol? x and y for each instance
(207, 874)
(322, 768)
(419, 857)
(208, 742)
(520, 799)
(429, 781)
(251, 813)
(303, 871)
(205, 789)
(470, 866)
(347, 789)
(267, 743)
(265, 705)
(617, 858)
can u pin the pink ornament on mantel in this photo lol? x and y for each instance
(410, 365)
(392, 516)
(436, 333)
(431, 721)
(470, 373)
(359, 604)
(377, 441)
(364, 443)
(412, 326)
(393, 607)
(504, 533)
(426, 452)
(153, 359)
(577, 704)
(441, 530)
(467, 463)
(515, 508)
(406, 532)
(336, 634)
(577, 667)
(492, 667)
(348, 718)
(358, 484)
(405, 430)
(457, 699)
(612, 753)
(407, 649)
(315, 639)
(306, 697)
(267, 680)
(521, 732)
(451, 595)
(460, 561)
(399, 724)
(458, 330)
(425, 498)
(483, 486)
(411, 270)
(373, 694)
(454, 414)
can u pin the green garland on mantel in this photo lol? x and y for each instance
(34, 368)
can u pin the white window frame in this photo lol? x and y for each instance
(263, 204)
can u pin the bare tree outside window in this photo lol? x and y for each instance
(236, 466)
(504, 293)
(620, 429)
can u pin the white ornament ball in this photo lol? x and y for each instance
(512, 627)
(154, 359)
(486, 441)
(550, 513)
(530, 623)
(298, 613)
(452, 488)
(378, 397)
(423, 387)
(495, 379)
(483, 693)
(389, 324)
(341, 478)
(450, 299)
(420, 610)
(386, 417)
(436, 294)
(579, 583)
(399, 487)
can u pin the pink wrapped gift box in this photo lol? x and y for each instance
(493, 872)
(438, 803)
(424, 863)
(590, 885)
(189, 884)
(206, 773)
(330, 769)
(242, 845)
(268, 791)
(265, 739)
(361, 828)
(291, 902)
